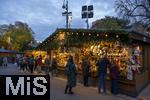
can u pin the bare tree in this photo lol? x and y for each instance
(135, 10)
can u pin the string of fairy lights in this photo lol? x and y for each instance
(80, 36)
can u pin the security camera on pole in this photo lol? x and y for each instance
(66, 12)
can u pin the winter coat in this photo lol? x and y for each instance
(114, 72)
(54, 65)
(71, 73)
(39, 61)
(102, 66)
(85, 68)
(31, 61)
(47, 62)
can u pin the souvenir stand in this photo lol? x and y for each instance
(129, 49)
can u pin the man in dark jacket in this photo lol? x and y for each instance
(54, 67)
(102, 64)
(31, 63)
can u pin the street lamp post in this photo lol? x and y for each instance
(66, 13)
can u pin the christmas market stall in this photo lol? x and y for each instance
(129, 49)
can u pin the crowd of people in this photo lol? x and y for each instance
(103, 64)
(34, 65)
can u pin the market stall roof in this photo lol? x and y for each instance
(9, 51)
(3, 50)
(82, 35)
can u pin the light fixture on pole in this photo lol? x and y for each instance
(66, 12)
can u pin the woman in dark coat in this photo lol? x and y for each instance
(71, 73)
(85, 71)
(114, 73)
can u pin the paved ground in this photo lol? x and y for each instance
(12, 69)
(57, 86)
(88, 93)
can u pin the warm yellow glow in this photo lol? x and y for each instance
(62, 36)
(92, 47)
(106, 35)
(117, 36)
(138, 48)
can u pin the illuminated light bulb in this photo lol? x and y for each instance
(138, 48)
(97, 34)
(72, 33)
(117, 36)
(89, 34)
(106, 35)
(83, 33)
(92, 47)
(77, 33)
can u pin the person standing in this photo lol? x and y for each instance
(114, 73)
(47, 63)
(54, 67)
(71, 73)
(5, 61)
(31, 63)
(24, 63)
(1, 61)
(102, 64)
(85, 71)
(39, 64)
(21, 63)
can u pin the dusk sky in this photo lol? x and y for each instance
(44, 16)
